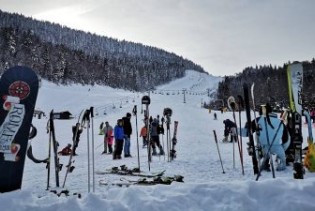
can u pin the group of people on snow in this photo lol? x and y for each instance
(121, 134)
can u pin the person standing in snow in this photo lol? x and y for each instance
(230, 127)
(119, 139)
(143, 134)
(154, 133)
(108, 132)
(127, 133)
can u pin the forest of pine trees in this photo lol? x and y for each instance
(65, 56)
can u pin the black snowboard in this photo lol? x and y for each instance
(18, 93)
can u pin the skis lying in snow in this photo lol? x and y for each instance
(65, 192)
(123, 170)
(144, 181)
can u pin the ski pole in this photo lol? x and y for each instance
(49, 155)
(231, 105)
(168, 136)
(55, 147)
(216, 141)
(146, 101)
(269, 154)
(268, 151)
(163, 145)
(134, 111)
(240, 144)
(88, 151)
(149, 138)
(93, 159)
(163, 135)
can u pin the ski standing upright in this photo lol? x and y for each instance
(146, 101)
(79, 124)
(251, 149)
(134, 112)
(295, 86)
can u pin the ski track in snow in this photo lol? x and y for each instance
(205, 187)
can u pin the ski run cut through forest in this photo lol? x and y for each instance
(194, 180)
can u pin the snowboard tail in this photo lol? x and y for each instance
(18, 90)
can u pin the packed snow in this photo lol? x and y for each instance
(205, 185)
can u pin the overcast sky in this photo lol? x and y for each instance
(223, 36)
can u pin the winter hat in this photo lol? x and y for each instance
(128, 114)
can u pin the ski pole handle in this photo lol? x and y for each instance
(92, 111)
(215, 136)
(134, 110)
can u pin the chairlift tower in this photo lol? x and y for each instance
(184, 92)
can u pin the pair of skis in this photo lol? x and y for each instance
(124, 171)
(85, 116)
(255, 150)
(159, 180)
(54, 143)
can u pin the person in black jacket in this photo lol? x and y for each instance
(230, 127)
(127, 132)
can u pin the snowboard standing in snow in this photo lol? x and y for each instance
(18, 89)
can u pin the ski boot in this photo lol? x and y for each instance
(280, 167)
(225, 139)
(161, 151)
(298, 170)
(249, 149)
(266, 166)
